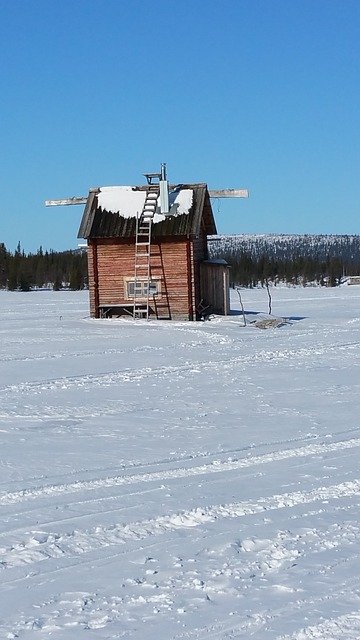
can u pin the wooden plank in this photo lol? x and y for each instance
(228, 193)
(65, 202)
(214, 193)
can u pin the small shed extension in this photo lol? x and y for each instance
(182, 282)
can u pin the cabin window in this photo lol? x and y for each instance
(140, 290)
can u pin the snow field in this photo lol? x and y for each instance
(180, 480)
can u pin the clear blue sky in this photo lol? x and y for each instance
(263, 94)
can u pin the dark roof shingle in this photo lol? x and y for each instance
(100, 223)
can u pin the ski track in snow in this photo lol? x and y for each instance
(50, 355)
(216, 466)
(41, 546)
(267, 557)
(180, 371)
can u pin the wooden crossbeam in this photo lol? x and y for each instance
(213, 193)
(65, 202)
(228, 193)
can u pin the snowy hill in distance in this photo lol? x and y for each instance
(282, 246)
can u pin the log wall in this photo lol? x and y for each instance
(110, 261)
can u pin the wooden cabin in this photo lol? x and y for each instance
(182, 283)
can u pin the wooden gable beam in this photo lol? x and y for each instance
(65, 201)
(228, 193)
(213, 193)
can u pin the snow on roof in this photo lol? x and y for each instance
(121, 199)
(128, 202)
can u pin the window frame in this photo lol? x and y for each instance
(130, 280)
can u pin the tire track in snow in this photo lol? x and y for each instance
(216, 466)
(129, 375)
(43, 545)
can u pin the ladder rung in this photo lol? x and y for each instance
(143, 252)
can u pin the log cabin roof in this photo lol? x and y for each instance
(98, 222)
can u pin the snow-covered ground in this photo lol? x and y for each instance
(180, 480)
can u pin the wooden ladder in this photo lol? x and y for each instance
(142, 275)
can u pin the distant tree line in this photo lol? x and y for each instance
(22, 272)
(323, 260)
